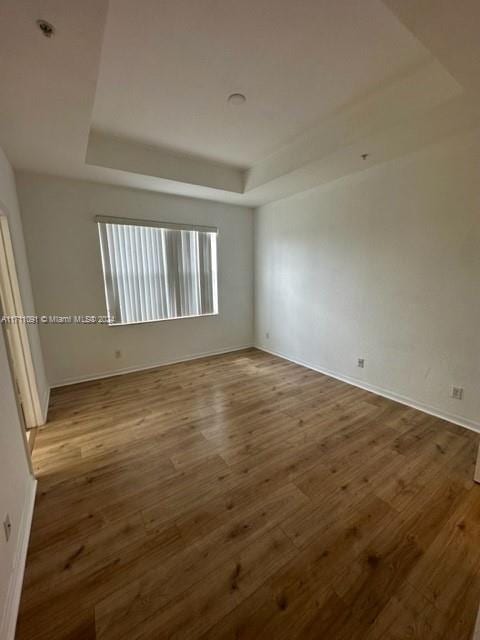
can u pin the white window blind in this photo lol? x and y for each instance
(157, 271)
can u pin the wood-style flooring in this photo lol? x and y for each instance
(245, 497)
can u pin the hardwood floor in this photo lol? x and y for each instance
(242, 496)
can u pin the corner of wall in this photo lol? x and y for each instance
(45, 405)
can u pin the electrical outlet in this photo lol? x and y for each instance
(457, 393)
(118, 354)
(267, 335)
(361, 363)
(7, 527)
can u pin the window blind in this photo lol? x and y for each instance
(157, 271)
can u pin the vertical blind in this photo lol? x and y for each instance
(158, 272)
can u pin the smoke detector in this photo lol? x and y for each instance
(236, 98)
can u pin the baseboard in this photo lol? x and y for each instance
(12, 603)
(121, 372)
(473, 425)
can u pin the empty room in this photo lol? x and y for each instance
(239, 320)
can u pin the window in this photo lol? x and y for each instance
(157, 271)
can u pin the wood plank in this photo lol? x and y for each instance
(242, 496)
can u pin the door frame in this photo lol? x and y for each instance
(21, 414)
(16, 332)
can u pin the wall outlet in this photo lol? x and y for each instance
(118, 354)
(267, 335)
(361, 363)
(7, 527)
(457, 393)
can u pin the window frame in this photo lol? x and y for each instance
(152, 224)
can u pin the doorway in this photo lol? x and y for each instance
(15, 330)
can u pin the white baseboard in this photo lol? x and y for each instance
(473, 425)
(121, 372)
(12, 604)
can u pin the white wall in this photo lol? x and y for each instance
(9, 207)
(383, 266)
(64, 253)
(17, 486)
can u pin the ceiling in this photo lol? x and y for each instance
(135, 93)
(296, 62)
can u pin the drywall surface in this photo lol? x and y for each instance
(16, 483)
(64, 253)
(17, 492)
(9, 207)
(384, 266)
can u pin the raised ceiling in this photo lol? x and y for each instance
(135, 93)
(167, 69)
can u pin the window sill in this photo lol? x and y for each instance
(129, 324)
